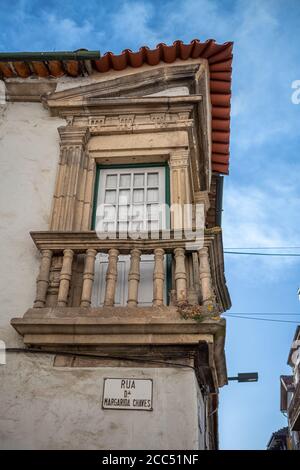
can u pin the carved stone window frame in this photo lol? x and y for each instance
(176, 123)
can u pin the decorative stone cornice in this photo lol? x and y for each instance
(78, 241)
(86, 106)
(107, 123)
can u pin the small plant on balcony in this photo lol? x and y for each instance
(197, 312)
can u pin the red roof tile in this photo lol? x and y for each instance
(219, 57)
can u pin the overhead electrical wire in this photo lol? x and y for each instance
(273, 320)
(263, 313)
(260, 254)
(262, 248)
(243, 315)
(228, 250)
(100, 356)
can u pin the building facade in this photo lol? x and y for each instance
(290, 393)
(114, 339)
(279, 440)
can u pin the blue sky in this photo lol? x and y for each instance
(262, 193)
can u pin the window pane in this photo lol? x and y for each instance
(153, 225)
(138, 212)
(152, 195)
(124, 196)
(108, 226)
(138, 195)
(153, 211)
(110, 196)
(123, 227)
(125, 180)
(136, 226)
(111, 181)
(138, 180)
(109, 212)
(152, 179)
(123, 213)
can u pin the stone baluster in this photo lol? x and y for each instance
(111, 277)
(42, 282)
(88, 278)
(52, 293)
(180, 274)
(65, 278)
(134, 277)
(205, 276)
(158, 277)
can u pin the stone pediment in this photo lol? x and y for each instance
(164, 99)
(188, 79)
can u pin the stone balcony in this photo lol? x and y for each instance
(60, 323)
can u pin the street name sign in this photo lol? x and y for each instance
(127, 394)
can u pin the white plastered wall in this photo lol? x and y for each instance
(43, 407)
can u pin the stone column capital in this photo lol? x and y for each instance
(73, 135)
(201, 197)
(179, 159)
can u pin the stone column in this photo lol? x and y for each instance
(65, 278)
(88, 278)
(67, 212)
(180, 186)
(180, 274)
(181, 197)
(88, 200)
(42, 282)
(134, 277)
(111, 277)
(158, 277)
(205, 277)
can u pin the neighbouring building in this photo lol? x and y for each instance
(113, 342)
(290, 393)
(279, 440)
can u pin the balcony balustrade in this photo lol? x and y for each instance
(70, 244)
(65, 316)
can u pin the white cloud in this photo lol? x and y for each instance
(131, 21)
(65, 33)
(262, 217)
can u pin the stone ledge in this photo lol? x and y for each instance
(114, 320)
(115, 327)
